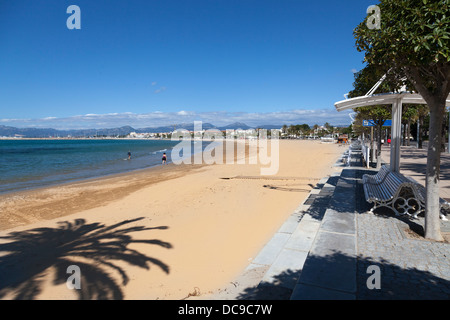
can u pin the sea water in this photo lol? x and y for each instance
(27, 164)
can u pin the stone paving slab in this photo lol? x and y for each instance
(341, 222)
(303, 237)
(291, 224)
(331, 264)
(271, 250)
(287, 261)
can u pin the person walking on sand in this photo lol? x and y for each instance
(164, 158)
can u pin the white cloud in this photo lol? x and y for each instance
(160, 90)
(13, 120)
(158, 118)
(185, 113)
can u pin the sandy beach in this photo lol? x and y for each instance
(159, 233)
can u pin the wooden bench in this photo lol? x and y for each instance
(395, 191)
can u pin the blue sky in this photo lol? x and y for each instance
(151, 63)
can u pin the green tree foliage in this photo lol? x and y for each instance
(296, 130)
(413, 41)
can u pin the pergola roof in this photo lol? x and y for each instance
(384, 98)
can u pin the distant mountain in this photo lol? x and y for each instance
(49, 132)
(243, 126)
(236, 125)
(6, 131)
(28, 132)
(186, 126)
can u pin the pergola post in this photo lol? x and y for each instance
(396, 135)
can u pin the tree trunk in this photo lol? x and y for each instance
(436, 100)
(432, 210)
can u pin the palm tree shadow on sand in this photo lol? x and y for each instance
(26, 257)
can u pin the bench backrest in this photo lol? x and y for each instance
(385, 184)
(392, 182)
(379, 176)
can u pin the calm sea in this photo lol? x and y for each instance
(27, 164)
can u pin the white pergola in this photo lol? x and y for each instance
(396, 100)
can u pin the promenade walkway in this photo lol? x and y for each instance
(324, 250)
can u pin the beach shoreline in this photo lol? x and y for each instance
(192, 226)
(65, 187)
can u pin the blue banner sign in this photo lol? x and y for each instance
(371, 123)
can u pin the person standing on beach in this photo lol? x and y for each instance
(129, 155)
(164, 158)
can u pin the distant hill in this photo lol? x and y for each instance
(186, 126)
(29, 132)
(6, 131)
(236, 125)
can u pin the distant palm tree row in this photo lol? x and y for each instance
(304, 130)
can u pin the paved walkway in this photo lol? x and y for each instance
(323, 251)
